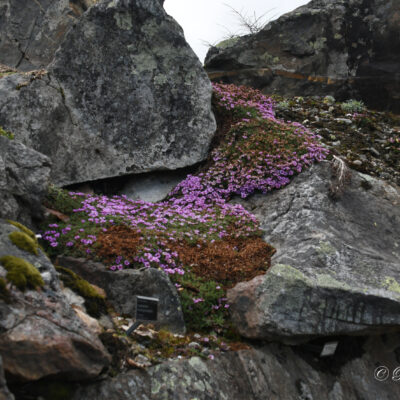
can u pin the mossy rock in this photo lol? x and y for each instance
(5, 133)
(94, 302)
(24, 242)
(23, 228)
(21, 273)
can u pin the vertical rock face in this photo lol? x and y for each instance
(24, 176)
(31, 31)
(342, 48)
(125, 94)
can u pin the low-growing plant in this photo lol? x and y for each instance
(353, 106)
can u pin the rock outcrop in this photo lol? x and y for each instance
(271, 371)
(336, 270)
(122, 287)
(40, 334)
(31, 31)
(24, 176)
(4, 392)
(125, 94)
(348, 49)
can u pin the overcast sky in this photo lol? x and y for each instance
(211, 20)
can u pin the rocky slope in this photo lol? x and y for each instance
(348, 49)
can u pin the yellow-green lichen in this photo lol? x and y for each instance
(94, 302)
(24, 242)
(326, 248)
(326, 280)
(391, 284)
(6, 134)
(21, 273)
(288, 271)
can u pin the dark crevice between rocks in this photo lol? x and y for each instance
(114, 185)
(348, 349)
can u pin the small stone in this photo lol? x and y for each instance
(337, 143)
(357, 163)
(194, 345)
(374, 152)
(197, 336)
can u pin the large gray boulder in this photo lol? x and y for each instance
(269, 372)
(337, 266)
(31, 31)
(41, 335)
(125, 94)
(24, 177)
(122, 287)
(343, 48)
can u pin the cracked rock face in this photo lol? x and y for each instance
(337, 268)
(40, 334)
(24, 176)
(348, 49)
(31, 31)
(268, 372)
(125, 94)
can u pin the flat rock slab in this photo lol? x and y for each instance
(337, 266)
(270, 372)
(24, 177)
(40, 334)
(122, 287)
(125, 94)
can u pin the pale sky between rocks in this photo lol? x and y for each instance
(212, 20)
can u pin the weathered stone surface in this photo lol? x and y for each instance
(40, 334)
(4, 392)
(31, 31)
(336, 269)
(125, 94)
(122, 286)
(269, 372)
(24, 176)
(348, 49)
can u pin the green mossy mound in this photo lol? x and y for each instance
(23, 228)
(21, 273)
(94, 302)
(24, 242)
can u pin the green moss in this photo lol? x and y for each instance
(94, 302)
(23, 228)
(4, 293)
(6, 134)
(24, 242)
(21, 273)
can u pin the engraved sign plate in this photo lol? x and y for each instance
(146, 308)
(329, 349)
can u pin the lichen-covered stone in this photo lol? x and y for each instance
(125, 94)
(348, 49)
(336, 270)
(31, 31)
(272, 371)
